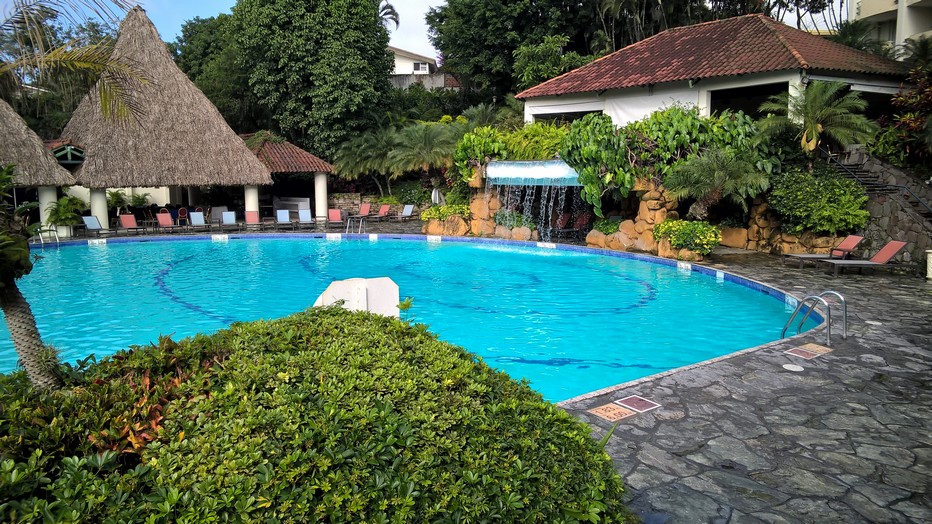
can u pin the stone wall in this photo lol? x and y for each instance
(483, 207)
(638, 234)
(891, 219)
(350, 202)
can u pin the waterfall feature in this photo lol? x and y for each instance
(542, 191)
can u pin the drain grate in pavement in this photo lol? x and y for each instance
(808, 351)
(639, 404)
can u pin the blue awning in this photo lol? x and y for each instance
(531, 173)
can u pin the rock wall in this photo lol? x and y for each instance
(483, 208)
(764, 234)
(451, 227)
(638, 234)
(891, 219)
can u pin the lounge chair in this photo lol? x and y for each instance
(305, 219)
(215, 215)
(841, 251)
(407, 213)
(283, 219)
(252, 221)
(128, 224)
(198, 223)
(365, 210)
(335, 218)
(880, 259)
(384, 210)
(228, 221)
(92, 225)
(166, 224)
(183, 216)
(579, 229)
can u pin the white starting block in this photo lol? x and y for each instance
(375, 295)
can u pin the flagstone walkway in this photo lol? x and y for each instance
(846, 438)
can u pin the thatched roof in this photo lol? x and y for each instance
(281, 156)
(180, 139)
(35, 166)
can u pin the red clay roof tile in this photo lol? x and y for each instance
(734, 46)
(285, 157)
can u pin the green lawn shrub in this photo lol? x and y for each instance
(513, 219)
(697, 236)
(326, 415)
(606, 226)
(821, 201)
(445, 211)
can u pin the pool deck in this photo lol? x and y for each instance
(741, 439)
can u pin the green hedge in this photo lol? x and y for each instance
(700, 237)
(323, 416)
(445, 211)
(821, 201)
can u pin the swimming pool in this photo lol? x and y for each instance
(570, 320)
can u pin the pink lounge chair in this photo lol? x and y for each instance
(128, 224)
(335, 218)
(166, 224)
(841, 251)
(384, 210)
(252, 221)
(880, 259)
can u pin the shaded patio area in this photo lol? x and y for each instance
(742, 439)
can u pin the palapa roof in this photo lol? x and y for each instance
(281, 156)
(35, 166)
(179, 140)
(730, 47)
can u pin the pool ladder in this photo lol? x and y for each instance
(52, 232)
(811, 301)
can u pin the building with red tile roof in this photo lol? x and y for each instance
(281, 156)
(733, 63)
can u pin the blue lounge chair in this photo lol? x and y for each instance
(283, 220)
(228, 221)
(198, 223)
(92, 225)
(305, 219)
(407, 213)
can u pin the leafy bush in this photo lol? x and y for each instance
(607, 226)
(821, 201)
(445, 211)
(513, 219)
(478, 148)
(609, 159)
(535, 141)
(388, 199)
(67, 211)
(700, 237)
(908, 141)
(323, 416)
(411, 192)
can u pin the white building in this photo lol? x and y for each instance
(895, 21)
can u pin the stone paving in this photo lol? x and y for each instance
(743, 439)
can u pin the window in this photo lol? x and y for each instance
(421, 67)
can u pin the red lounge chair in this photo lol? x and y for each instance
(128, 223)
(842, 250)
(252, 221)
(166, 224)
(384, 210)
(335, 218)
(881, 259)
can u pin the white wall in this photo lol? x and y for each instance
(630, 105)
(404, 65)
(157, 195)
(562, 104)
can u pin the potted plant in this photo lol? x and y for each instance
(66, 213)
(117, 200)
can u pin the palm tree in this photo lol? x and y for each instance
(387, 13)
(713, 176)
(368, 154)
(424, 146)
(917, 52)
(41, 363)
(859, 34)
(821, 110)
(25, 25)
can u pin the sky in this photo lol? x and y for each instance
(411, 35)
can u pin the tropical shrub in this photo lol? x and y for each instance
(700, 237)
(908, 141)
(712, 176)
(326, 415)
(477, 148)
(445, 211)
(536, 141)
(821, 201)
(411, 192)
(513, 219)
(610, 159)
(607, 226)
(67, 211)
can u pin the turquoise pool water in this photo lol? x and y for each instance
(568, 321)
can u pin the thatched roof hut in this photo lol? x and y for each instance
(22, 147)
(180, 139)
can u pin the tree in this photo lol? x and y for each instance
(208, 53)
(318, 66)
(32, 52)
(822, 110)
(859, 34)
(425, 146)
(537, 63)
(387, 13)
(368, 154)
(41, 363)
(716, 174)
(917, 53)
(478, 38)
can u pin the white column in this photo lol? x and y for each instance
(320, 195)
(252, 198)
(48, 195)
(99, 207)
